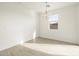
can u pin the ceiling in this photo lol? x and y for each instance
(37, 6)
(41, 6)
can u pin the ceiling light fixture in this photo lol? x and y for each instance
(46, 11)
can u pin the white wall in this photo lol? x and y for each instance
(66, 25)
(37, 24)
(17, 24)
(77, 24)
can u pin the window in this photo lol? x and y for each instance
(53, 21)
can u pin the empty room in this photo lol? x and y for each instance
(39, 29)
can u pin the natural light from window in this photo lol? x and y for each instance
(53, 21)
